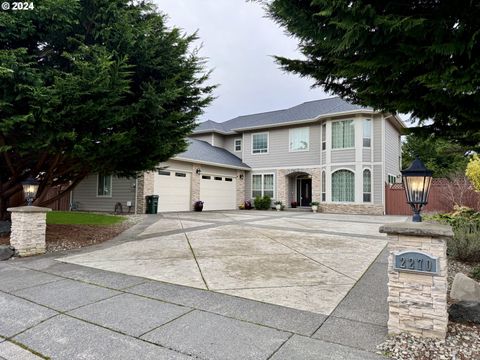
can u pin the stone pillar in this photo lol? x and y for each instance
(417, 291)
(316, 185)
(145, 186)
(240, 191)
(195, 184)
(29, 226)
(282, 187)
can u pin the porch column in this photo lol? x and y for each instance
(282, 187)
(317, 185)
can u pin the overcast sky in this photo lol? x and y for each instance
(238, 41)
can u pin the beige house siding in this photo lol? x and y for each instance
(85, 194)
(392, 150)
(278, 150)
(377, 138)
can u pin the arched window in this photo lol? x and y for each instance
(324, 187)
(367, 185)
(343, 186)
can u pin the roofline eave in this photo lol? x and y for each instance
(211, 163)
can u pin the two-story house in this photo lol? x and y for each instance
(329, 151)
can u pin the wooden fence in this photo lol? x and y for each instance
(62, 204)
(444, 195)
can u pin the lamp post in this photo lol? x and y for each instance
(30, 188)
(416, 181)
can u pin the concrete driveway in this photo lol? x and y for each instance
(300, 260)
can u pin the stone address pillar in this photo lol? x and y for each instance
(417, 278)
(29, 225)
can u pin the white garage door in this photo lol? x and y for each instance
(218, 192)
(173, 190)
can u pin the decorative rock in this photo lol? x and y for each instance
(6, 252)
(465, 311)
(465, 289)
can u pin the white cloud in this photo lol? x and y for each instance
(238, 41)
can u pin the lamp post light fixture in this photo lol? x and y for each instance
(416, 181)
(30, 188)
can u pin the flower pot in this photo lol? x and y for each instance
(314, 208)
(278, 207)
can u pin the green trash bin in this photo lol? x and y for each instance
(152, 204)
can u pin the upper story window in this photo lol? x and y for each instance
(104, 185)
(367, 133)
(391, 179)
(343, 134)
(367, 185)
(324, 136)
(299, 139)
(238, 144)
(260, 143)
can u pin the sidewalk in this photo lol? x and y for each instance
(66, 311)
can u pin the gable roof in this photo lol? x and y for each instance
(202, 152)
(306, 111)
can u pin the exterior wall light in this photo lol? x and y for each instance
(416, 182)
(30, 188)
(241, 176)
(198, 171)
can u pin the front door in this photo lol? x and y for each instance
(304, 192)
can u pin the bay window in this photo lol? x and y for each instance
(343, 134)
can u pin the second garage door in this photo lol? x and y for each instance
(218, 192)
(173, 190)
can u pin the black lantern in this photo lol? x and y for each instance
(30, 188)
(416, 181)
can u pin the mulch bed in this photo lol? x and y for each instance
(67, 237)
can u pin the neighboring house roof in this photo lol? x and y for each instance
(203, 153)
(306, 111)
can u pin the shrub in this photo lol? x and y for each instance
(465, 244)
(262, 203)
(476, 273)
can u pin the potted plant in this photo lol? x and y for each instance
(198, 206)
(248, 205)
(314, 205)
(278, 205)
(293, 204)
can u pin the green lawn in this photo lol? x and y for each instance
(80, 218)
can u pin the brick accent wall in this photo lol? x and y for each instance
(240, 191)
(145, 186)
(362, 209)
(195, 184)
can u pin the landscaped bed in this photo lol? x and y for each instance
(73, 230)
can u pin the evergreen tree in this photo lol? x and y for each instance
(93, 86)
(406, 56)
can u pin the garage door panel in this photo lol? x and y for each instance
(218, 192)
(173, 190)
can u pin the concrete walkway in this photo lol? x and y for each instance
(67, 311)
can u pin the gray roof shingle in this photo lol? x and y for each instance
(305, 111)
(202, 151)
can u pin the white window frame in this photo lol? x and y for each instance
(371, 186)
(290, 139)
(263, 184)
(235, 144)
(393, 176)
(363, 133)
(331, 135)
(323, 186)
(354, 182)
(268, 143)
(111, 187)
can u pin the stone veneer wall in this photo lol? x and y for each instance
(145, 186)
(29, 224)
(418, 302)
(363, 209)
(283, 182)
(240, 191)
(195, 194)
